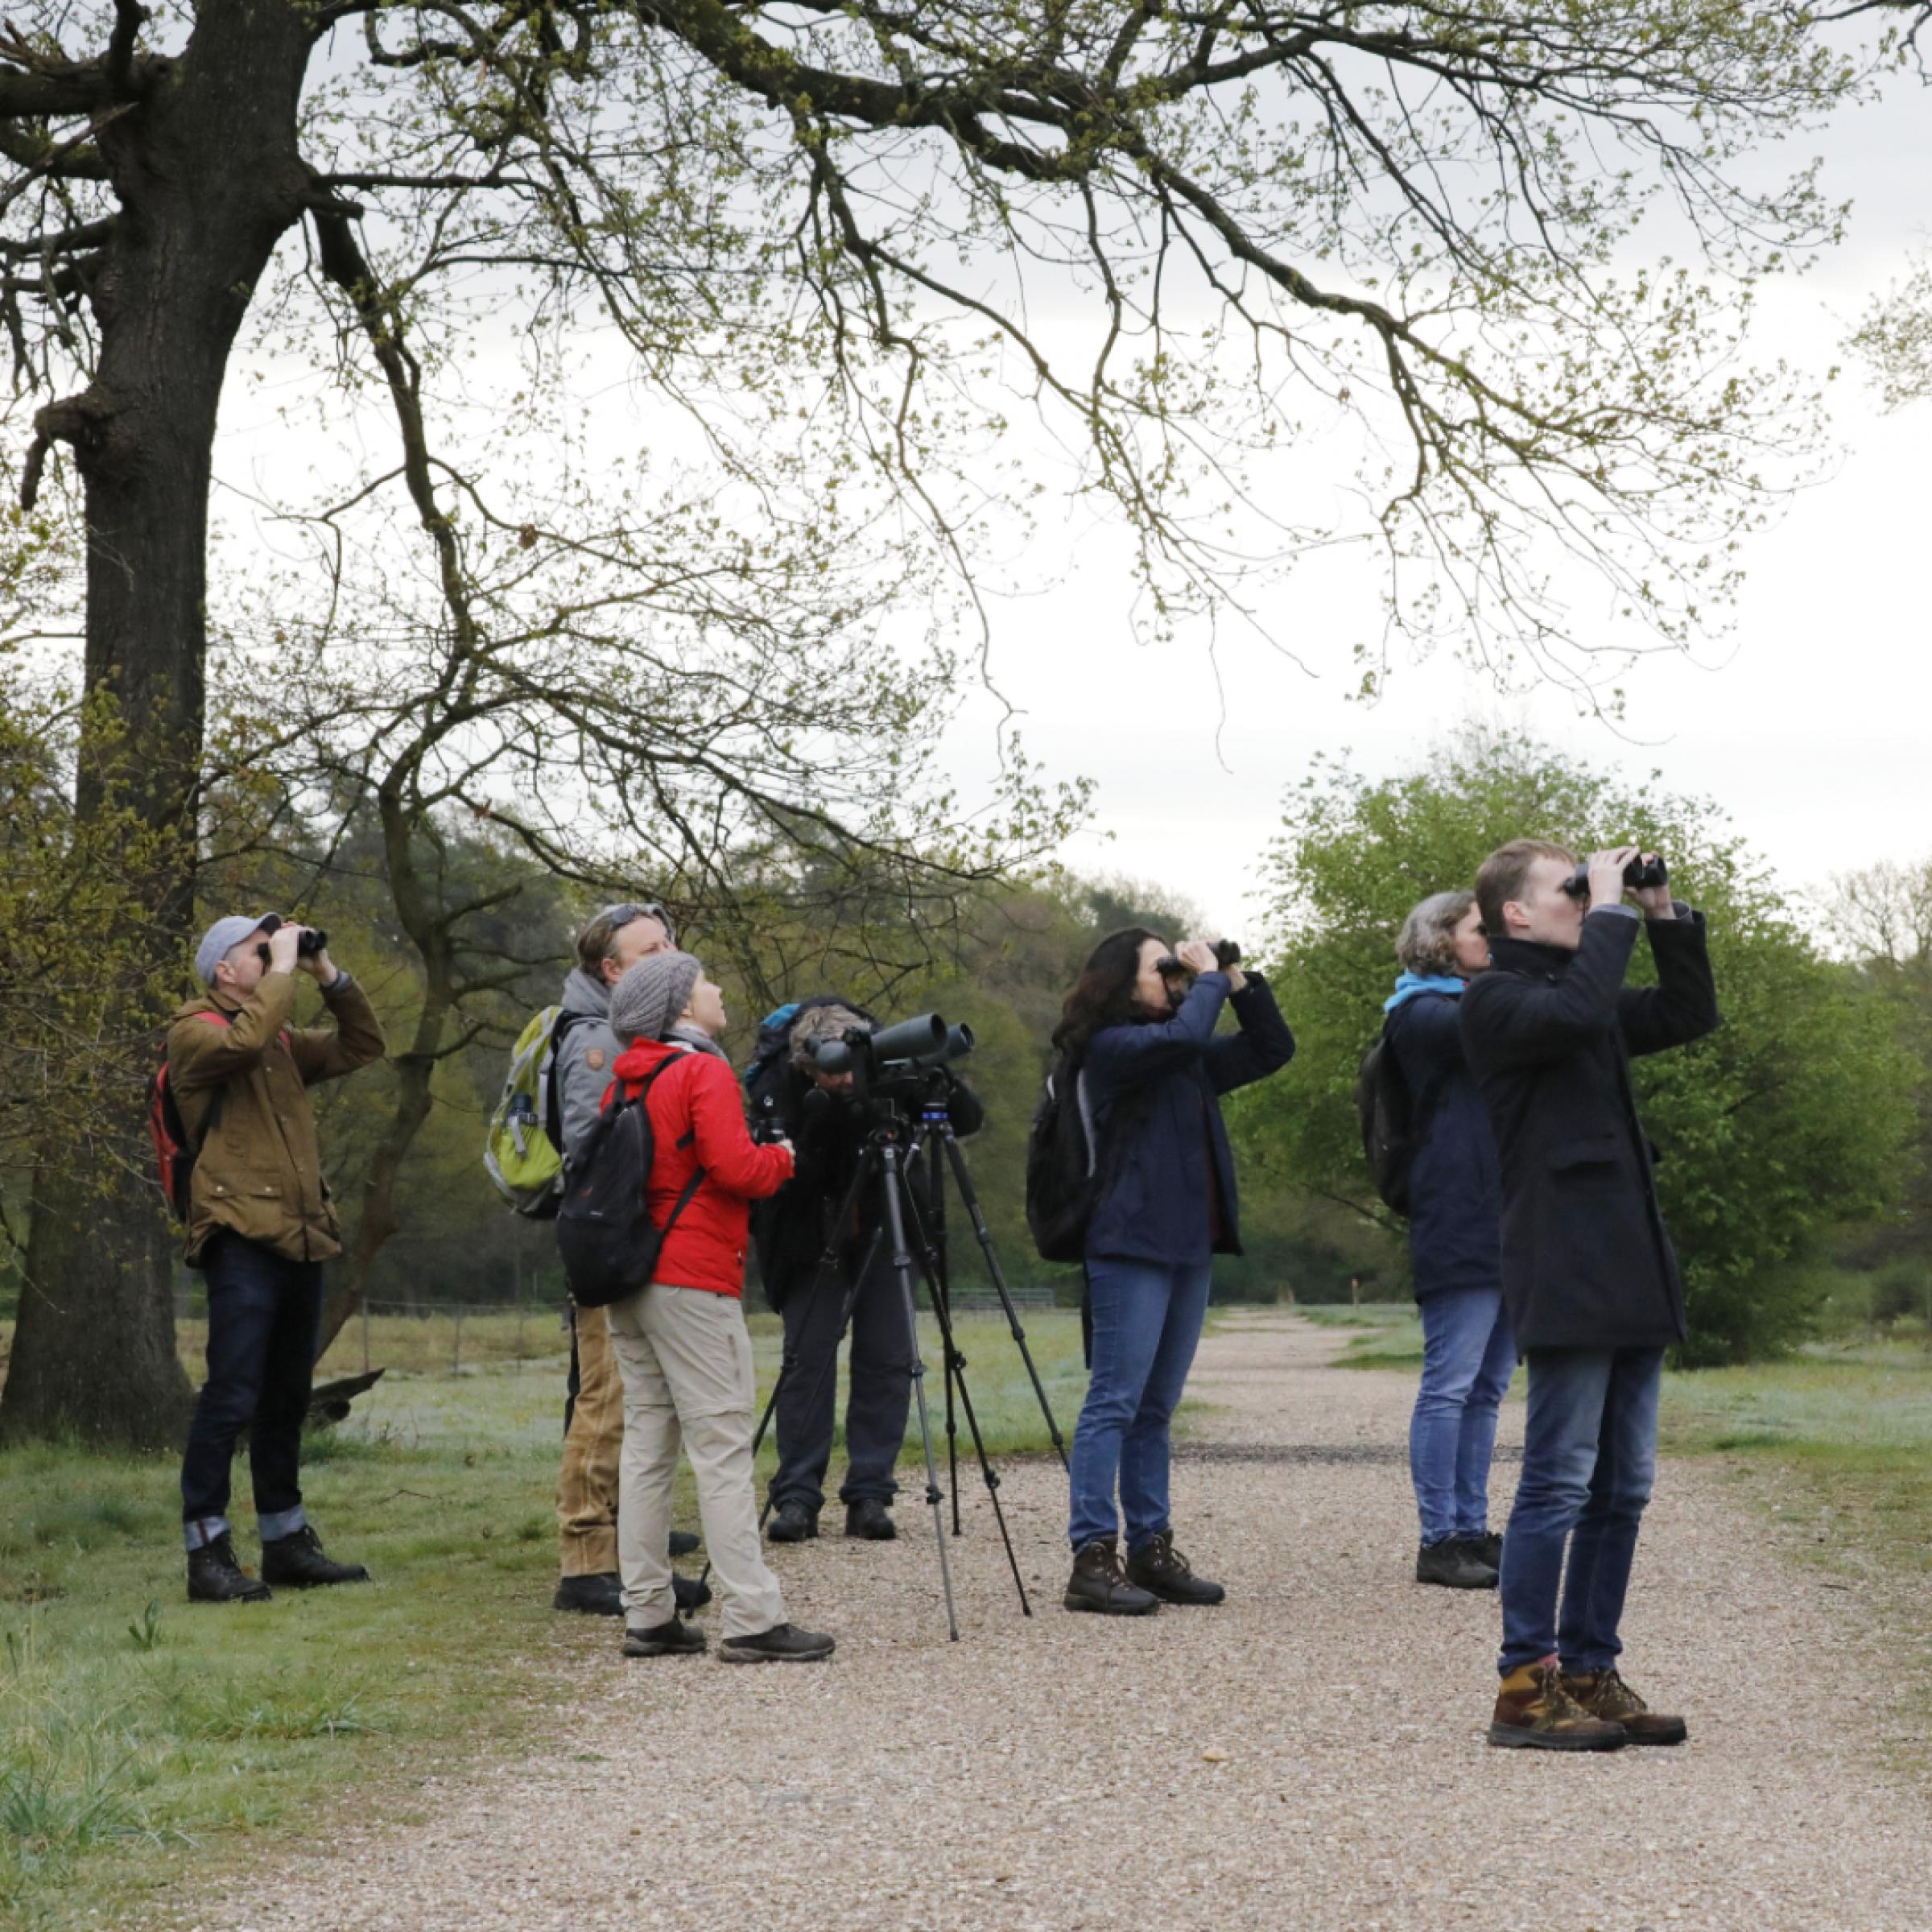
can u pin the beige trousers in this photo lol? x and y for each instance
(587, 1483)
(686, 1360)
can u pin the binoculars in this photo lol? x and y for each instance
(1638, 874)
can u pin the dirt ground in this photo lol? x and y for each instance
(1311, 1754)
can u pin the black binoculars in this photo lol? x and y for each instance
(1226, 953)
(1638, 874)
(310, 942)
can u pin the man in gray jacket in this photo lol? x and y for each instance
(587, 1485)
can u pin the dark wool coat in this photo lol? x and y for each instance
(1172, 1158)
(1549, 1033)
(1455, 1188)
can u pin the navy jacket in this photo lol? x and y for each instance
(1156, 1084)
(1456, 1189)
(1549, 1033)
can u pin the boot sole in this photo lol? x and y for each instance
(1680, 1736)
(317, 1583)
(1449, 1583)
(1509, 1738)
(632, 1648)
(1184, 1602)
(264, 1596)
(1080, 1604)
(729, 1653)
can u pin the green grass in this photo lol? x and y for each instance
(142, 1739)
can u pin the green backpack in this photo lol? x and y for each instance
(523, 1151)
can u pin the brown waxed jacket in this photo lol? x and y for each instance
(243, 1093)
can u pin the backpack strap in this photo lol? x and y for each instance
(553, 1107)
(684, 1140)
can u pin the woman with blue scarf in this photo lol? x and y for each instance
(1455, 1245)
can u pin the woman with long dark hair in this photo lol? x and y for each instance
(1138, 1046)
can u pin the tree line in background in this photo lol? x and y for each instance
(1797, 1134)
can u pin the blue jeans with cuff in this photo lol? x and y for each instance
(1589, 1459)
(1468, 1357)
(1146, 1322)
(264, 1312)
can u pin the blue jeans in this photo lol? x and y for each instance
(1146, 1321)
(1589, 1459)
(1468, 1357)
(263, 1313)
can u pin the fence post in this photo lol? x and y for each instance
(365, 1335)
(456, 1361)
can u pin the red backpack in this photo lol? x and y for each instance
(173, 1157)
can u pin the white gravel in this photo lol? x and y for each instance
(1310, 1755)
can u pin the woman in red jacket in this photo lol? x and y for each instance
(681, 1341)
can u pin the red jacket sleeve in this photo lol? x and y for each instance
(723, 1142)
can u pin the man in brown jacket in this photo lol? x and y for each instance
(260, 1223)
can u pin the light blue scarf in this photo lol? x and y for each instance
(1408, 984)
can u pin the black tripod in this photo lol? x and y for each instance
(941, 1148)
(886, 1165)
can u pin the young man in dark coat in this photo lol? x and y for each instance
(1594, 1293)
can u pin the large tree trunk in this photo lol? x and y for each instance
(209, 178)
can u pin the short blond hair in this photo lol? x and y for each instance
(1505, 872)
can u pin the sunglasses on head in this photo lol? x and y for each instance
(648, 909)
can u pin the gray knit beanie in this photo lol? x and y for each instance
(650, 995)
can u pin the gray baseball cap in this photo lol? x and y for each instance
(221, 938)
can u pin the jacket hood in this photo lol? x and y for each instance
(582, 994)
(637, 1060)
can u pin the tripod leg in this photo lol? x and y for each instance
(955, 1362)
(901, 1263)
(963, 1178)
(938, 1286)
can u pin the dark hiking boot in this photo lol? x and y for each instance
(1454, 1564)
(782, 1644)
(792, 1523)
(1099, 1584)
(215, 1577)
(598, 1595)
(676, 1638)
(1604, 1694)
(296, 1561)
(870, 1520)
(1534, 1712)
(1488, 1547)
(683, 1542)
(1160, 1568)
(692, 1592)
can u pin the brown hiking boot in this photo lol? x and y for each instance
(1534, 1712)
(1603, 1693)
(1098, 1583)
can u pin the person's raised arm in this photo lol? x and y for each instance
(1682, 1006)
(326, 1052)
(1264, 1044)
(1510, 1019)
(1125, 1056)
(203, 1053)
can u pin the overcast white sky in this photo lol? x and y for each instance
(1810, 725)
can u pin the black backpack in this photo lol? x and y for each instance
(604, 1232)
(1387, 1111)
(1063, 1178)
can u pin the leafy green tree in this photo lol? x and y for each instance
(1789, 1119)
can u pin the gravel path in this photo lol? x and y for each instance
(1310, 1755)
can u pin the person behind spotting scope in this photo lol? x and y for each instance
(1454, 1245)
(260, 1223)
(680, 1341)
(823, 1115)
(1592, 1285)
(614, 939)
(1149, 1071)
